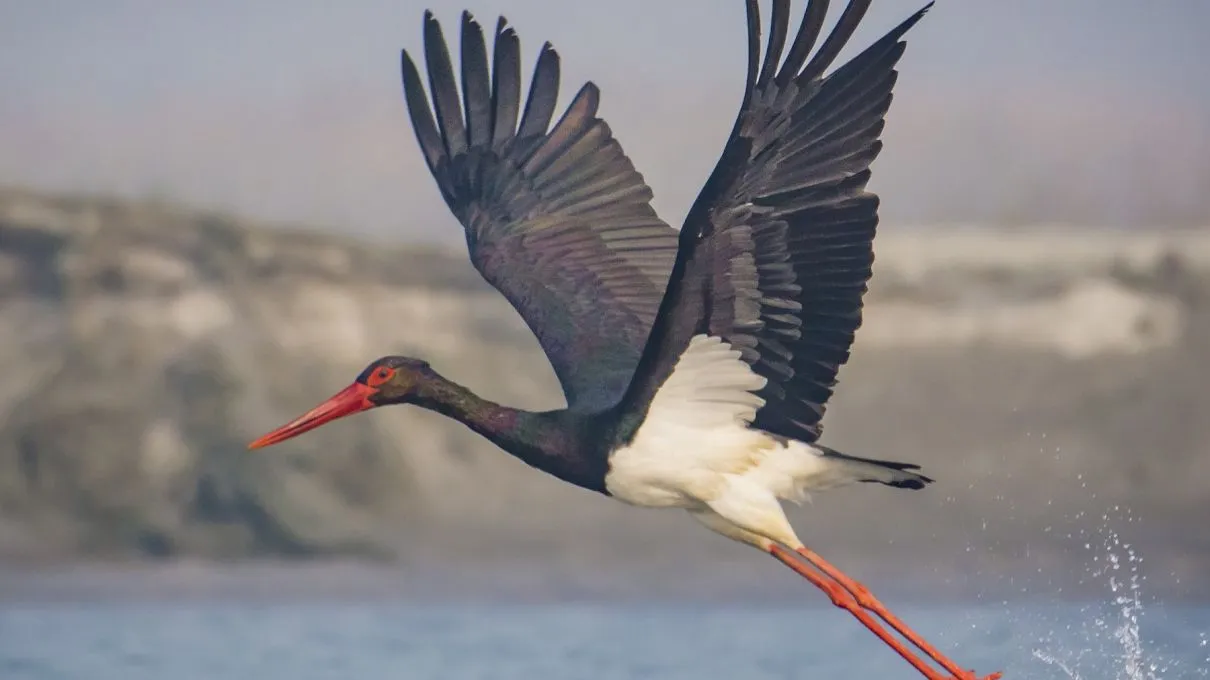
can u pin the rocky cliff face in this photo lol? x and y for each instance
(1036, 375)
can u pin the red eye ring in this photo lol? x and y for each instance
(380, 375)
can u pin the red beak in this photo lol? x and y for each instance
(352, 399)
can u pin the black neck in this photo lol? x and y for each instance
(545, 440)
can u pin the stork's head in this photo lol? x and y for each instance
(389, 380)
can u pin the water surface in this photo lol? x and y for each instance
(209, 640)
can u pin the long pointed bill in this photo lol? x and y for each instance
(352, 399)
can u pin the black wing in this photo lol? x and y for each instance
(776, 252)
(558, 221)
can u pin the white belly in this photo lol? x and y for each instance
(696, 443)
(640, 475)
(684, 468)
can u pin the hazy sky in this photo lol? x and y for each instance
(1020, 110)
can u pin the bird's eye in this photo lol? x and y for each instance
(380, 375)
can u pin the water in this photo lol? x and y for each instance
(1120, 636)
(364, 640)
(1112, 629)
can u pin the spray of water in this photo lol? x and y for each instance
(1108, 640)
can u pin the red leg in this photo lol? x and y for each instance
(866, 600)
(844, 600)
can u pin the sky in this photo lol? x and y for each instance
(1020, 112)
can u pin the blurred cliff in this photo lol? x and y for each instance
(1042, 376)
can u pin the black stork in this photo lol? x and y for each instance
(696, 366)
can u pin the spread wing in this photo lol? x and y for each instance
(776, 252)
(557, 219)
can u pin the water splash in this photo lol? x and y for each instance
(1108, 639)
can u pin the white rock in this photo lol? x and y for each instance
(1093, 317)
(165, 453)
(198, 313)
(156, 266)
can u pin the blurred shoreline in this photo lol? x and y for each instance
(1045, 377)
(759, 583)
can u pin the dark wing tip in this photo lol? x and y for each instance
(911, 21)
(593, 92)
(506, 82)
(549, 51)
(777, 41)
(548, 58)
(470, 27)
(431, 143)
(804, 40)
(469, 22)
(752, 12)
(476, 83)
(843, 30)
(543, 93)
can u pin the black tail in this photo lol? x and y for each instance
(891, 473)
